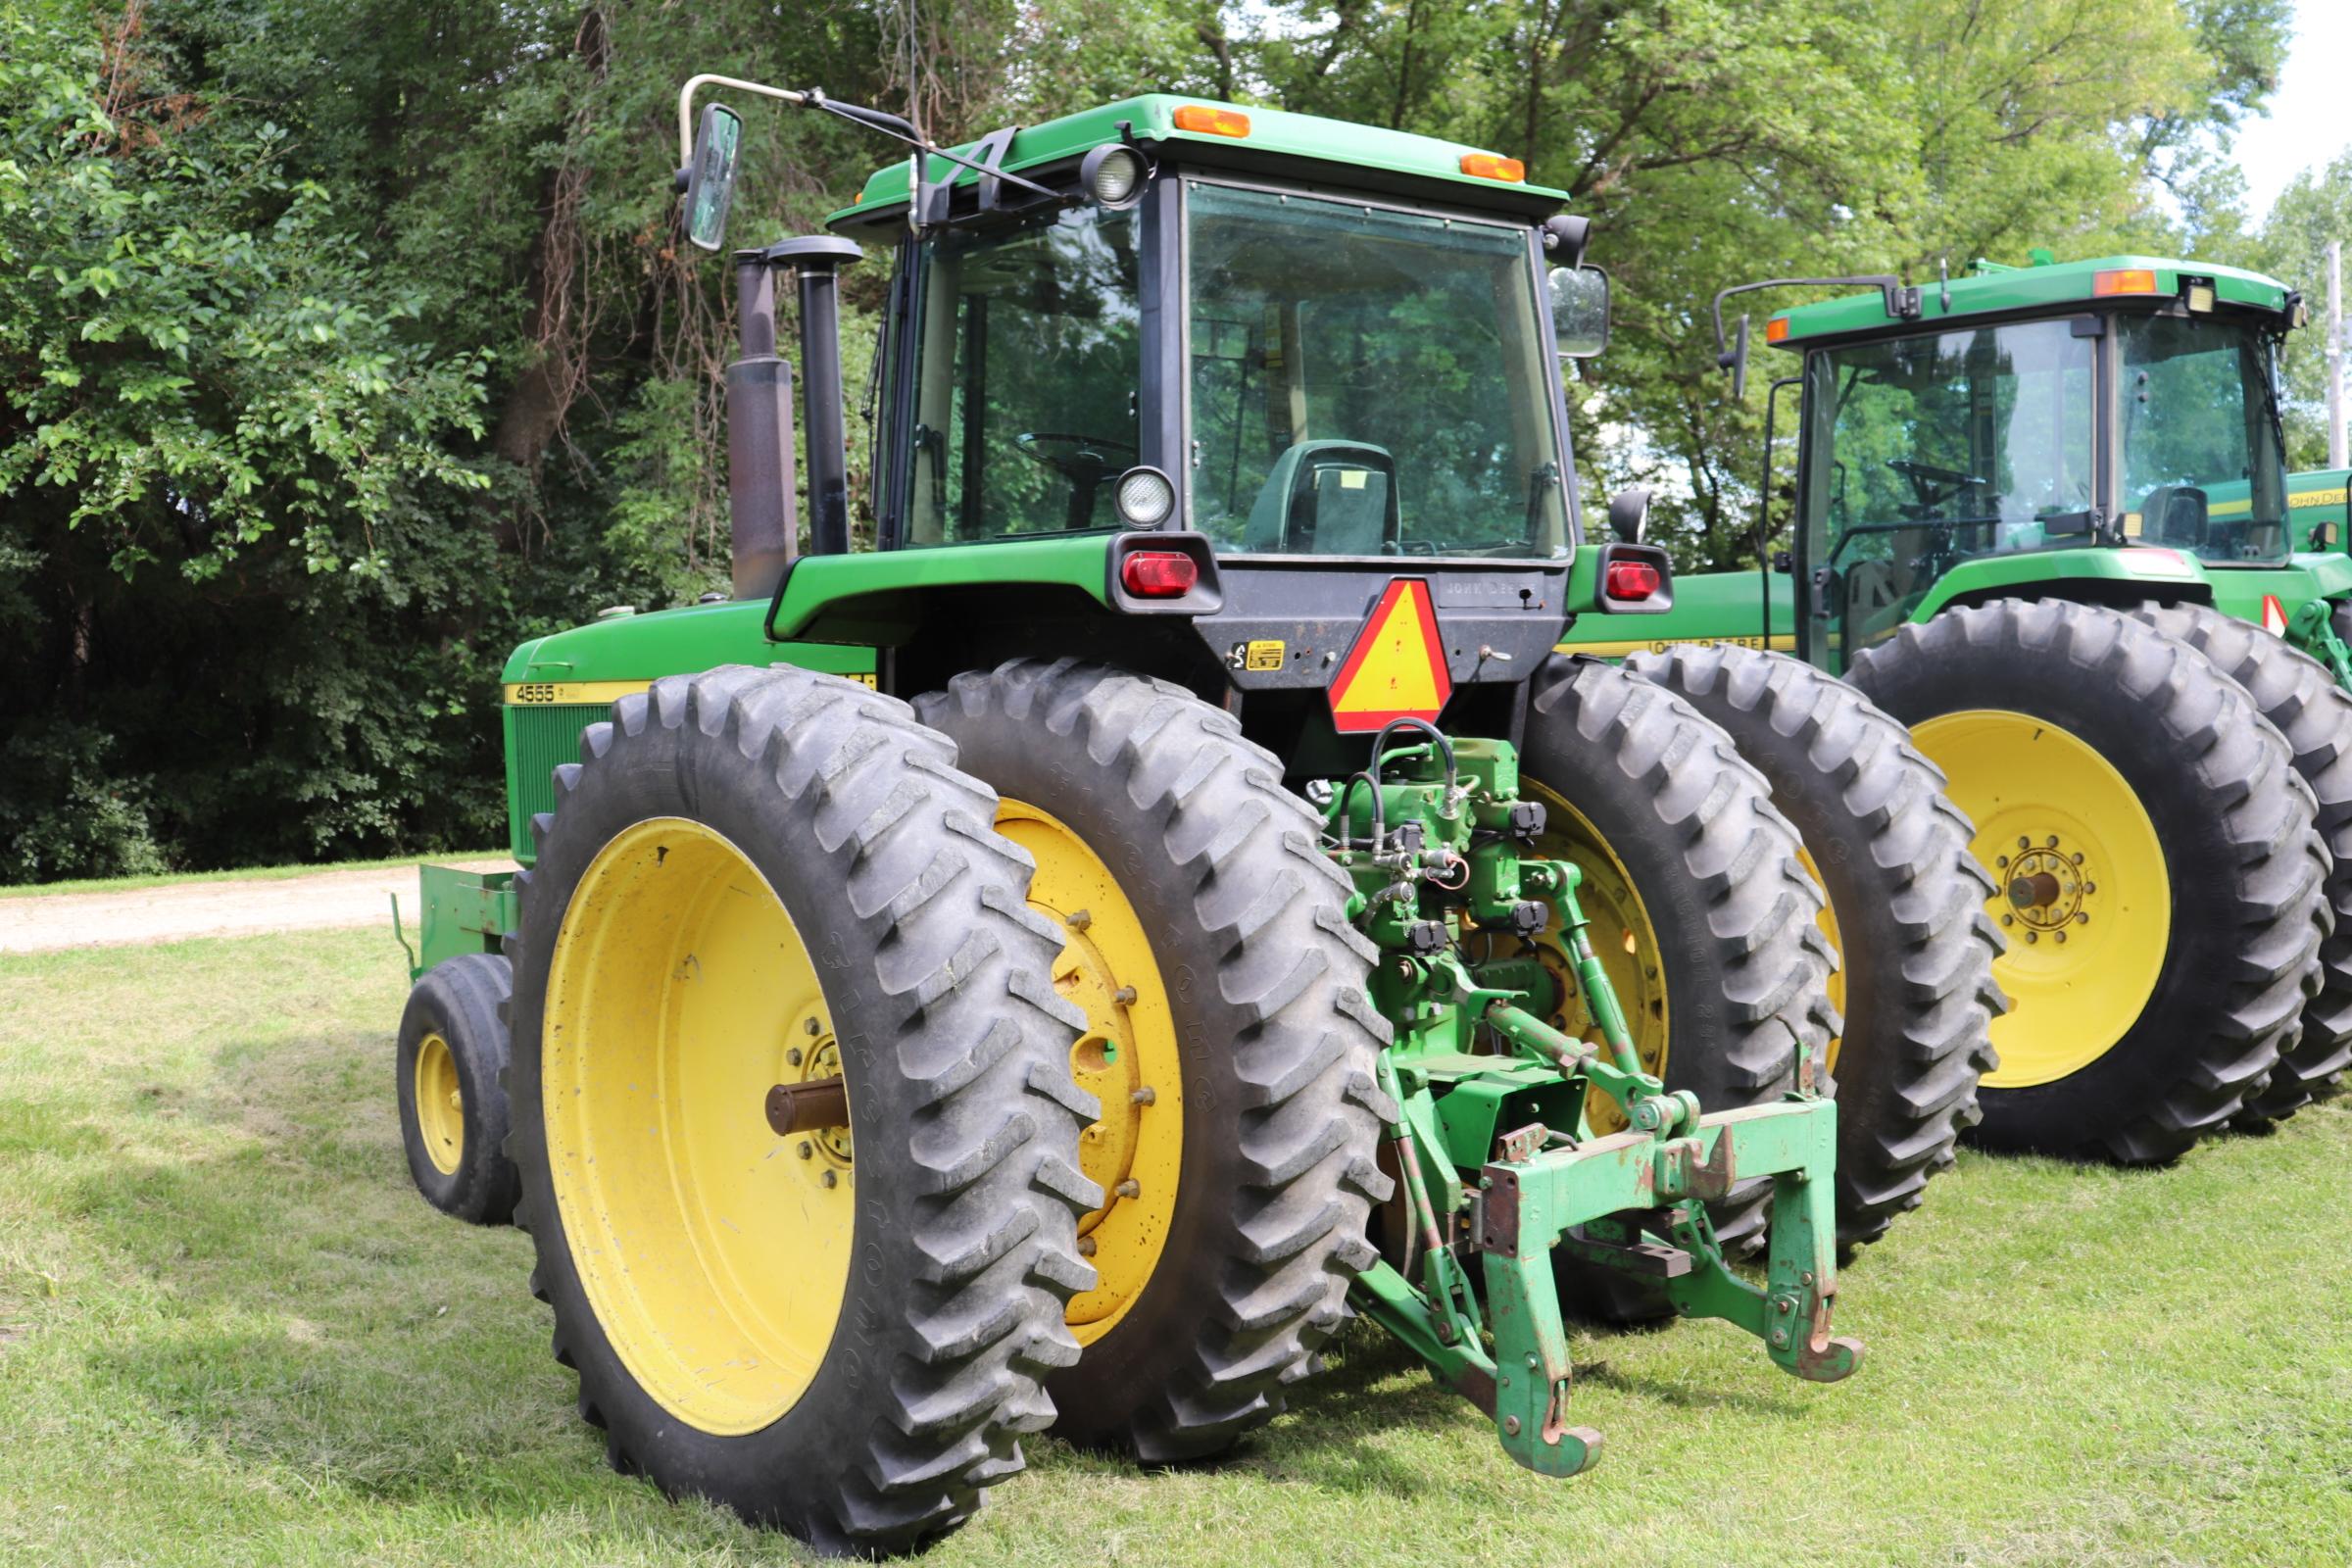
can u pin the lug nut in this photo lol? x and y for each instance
(2078, 858)
(1079, 921)
(1086, 1247)
(811, 1028)
(804, 1149)
(2024, 843)
(2008, 919)
(1124, 996)
(792, 1057)
(2030, 937)
(828, 1178)
(1144, 1096)
(1510, 1424)
(1129, 1188)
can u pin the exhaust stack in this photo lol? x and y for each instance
(760, 490)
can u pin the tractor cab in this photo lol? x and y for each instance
(2113, 423)
(1206, 382)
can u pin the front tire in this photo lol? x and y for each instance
(761, 877)
(1190, 883)
(2159, 862)
(449, 1071)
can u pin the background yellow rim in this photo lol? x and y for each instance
(2039, 797)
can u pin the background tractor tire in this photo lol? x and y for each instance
(1906, 912)
(450, 1072)
(720, 832)
(2126, 794)
(1239, 1192)
(1701, 912)
(2302, 702)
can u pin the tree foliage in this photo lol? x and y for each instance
(344, 343)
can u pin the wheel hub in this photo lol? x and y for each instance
(2047, 886)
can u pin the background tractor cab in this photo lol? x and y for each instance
(2102, 430)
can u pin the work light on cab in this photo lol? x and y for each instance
(1112, 174)
(1158, 574)
(1146, 497)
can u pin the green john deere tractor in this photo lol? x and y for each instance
(2042, 518)
(1056, 966)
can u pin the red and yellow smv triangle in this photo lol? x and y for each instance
(1396, 669)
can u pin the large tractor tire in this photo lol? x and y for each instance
(1905, 912)
(2160, 872)
(1701, 911)
(766, 881)
(448, 1072)
(2301, 700)
(1228, 1036)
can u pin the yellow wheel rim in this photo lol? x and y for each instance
(1622, 936)
(440, 1104)
(1126, 1058)
(1827, 920)
(714, 1253)
(2081, 893)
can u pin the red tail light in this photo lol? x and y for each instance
(1161, 575)
(1631, 581)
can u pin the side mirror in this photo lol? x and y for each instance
(1579, 310)
(708, 177)
(1734, 360)
(1629, 513)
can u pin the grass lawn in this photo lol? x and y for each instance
(231, 1333)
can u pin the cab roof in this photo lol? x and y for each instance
(1388, 157)
(1992, 289)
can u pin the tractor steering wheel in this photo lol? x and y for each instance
(1927, 478)
(1086, 465)
(1085, 461)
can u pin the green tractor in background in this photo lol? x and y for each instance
(1169, 895)
(2042, 520)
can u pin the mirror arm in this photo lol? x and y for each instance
(686, 105)
(888, 125)
(1901, 300)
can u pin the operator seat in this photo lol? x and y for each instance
(1327, 498)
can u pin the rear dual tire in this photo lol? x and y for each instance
(1906, 911)
(2151, 840)
(1226, 1255)
(1701, 911)
(760, 876)
(2300, 699)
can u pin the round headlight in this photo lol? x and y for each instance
(1146, 497)
(1112, 175)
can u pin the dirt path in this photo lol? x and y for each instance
(228, 908)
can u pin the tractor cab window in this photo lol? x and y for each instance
(2202, 470)
(1027, 356)
(1930, 449)
(1368, 382)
